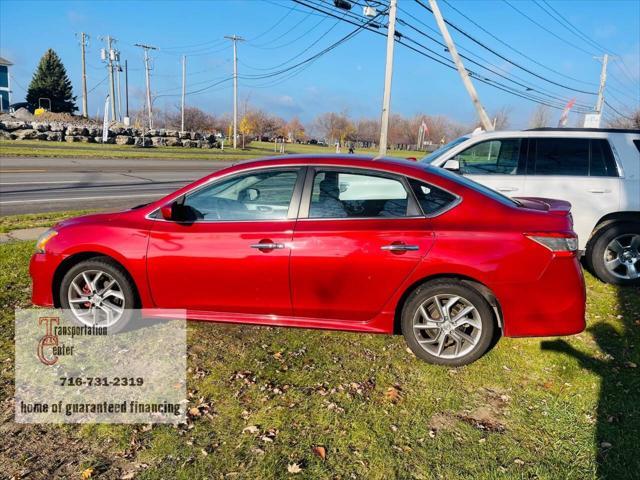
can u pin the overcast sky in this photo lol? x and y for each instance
(350, 77)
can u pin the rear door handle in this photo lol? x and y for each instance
(507, 189)
(600, 190)
(267, 246)
(400, 247)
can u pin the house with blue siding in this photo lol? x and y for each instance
(5, 85)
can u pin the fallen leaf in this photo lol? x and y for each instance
(630, 365)
(250, 429)
(605, 445)
(194, 412)
(293, 468)
(392, 394)
(517, 461)
(320, 451)
(87, 473)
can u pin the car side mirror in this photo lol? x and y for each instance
(453, 165)
(167, 211)
(249, 194)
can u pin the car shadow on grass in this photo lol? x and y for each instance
(617, 434)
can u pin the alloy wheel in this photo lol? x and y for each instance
(447, 326)
(96, 298)
(622, 256)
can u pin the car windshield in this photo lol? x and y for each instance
(465, 181)
(443, 149)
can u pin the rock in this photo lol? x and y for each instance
(185, 135)
(26, 134)
(54, 136)
(151, 133)
(195, 136)
(172, 133)
(188, 143)
(57, 127)
(4, 135)
(40, 127)
(23, 114)
(111, 140)
(173, 142)
(142, 142)
(76, 131)
(78, 138)
(94, 132)
(124, 140)
(158, 141)
(12, 125)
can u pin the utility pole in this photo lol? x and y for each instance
(110, 58)
(388, 74)
(603, 81)
(184, 84)
(126, 93)
(147, 67)
(83, 43)
(118, 70)
(235, 39)
(466, 80)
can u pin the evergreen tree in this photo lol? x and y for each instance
(50, 81)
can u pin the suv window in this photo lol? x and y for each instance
(561, 156)
(263, 195)
(602, 163)
(431, 199)
(492, 157)
(338, 194)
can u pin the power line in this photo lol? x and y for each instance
(499, 55)
(616, 111)
(98, 84)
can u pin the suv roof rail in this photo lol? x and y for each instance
(605, 130)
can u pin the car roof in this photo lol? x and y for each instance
(334, 160)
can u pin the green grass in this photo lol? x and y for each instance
(543, 409)
(31, 220)
(35, 148)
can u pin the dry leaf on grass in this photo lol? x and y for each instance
(294, 468)
(320, 451)
(250, 429)
(392, 394)
(86, 473)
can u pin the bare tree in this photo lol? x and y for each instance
(541, 117)
(336, 127)
(626, 121)
(501, 119)
(194, 120)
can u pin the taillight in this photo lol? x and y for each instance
(561, 244)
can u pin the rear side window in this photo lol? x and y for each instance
(431, 199)
(602, 163)
(561, 156)
(637, 144)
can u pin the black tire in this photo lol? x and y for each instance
(598, 249)
(487, 336)
(118, 273)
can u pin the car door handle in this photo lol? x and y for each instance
(507, 189)
(600, 190)
(400, 247)
(267, 246)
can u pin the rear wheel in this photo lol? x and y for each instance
(615, 255)
(448, 323)
(98, 292)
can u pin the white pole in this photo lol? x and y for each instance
(603, 81)
(184, 80)
(484, 118)
(388, 74)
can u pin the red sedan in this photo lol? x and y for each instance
(360, 244)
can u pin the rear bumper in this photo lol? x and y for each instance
(42, 269)
(552, 305)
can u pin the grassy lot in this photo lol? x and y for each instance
(35, 148)
(271, 397)
(31, 220)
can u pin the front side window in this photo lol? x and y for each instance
(562, 156)
(338, 194)
(263, 195)
(493, 157)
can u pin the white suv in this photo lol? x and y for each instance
(597, 170)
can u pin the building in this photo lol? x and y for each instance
(5, 85)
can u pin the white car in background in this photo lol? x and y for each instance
(597, 170)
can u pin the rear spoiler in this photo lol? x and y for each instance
(560, 208)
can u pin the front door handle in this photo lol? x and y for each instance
(507, 189)
(400, 247)
(600, 190)
(267, 246)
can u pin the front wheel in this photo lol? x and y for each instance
(448, 323)
(615, 255)
(98, 292)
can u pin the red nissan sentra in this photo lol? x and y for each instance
(344, 243)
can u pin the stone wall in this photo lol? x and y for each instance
(61, 132)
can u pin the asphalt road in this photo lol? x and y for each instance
(35, 185)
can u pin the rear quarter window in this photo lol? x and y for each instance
(602, 162)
